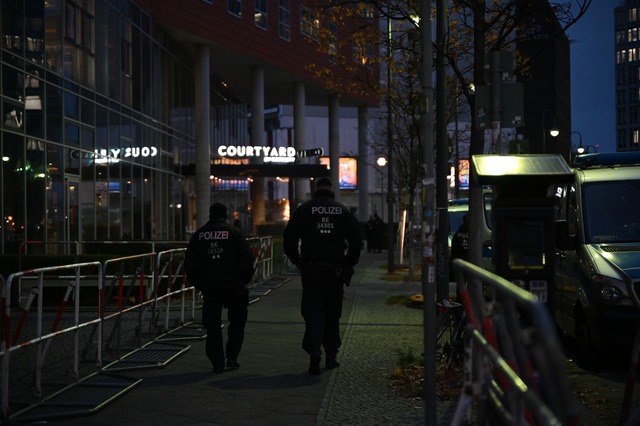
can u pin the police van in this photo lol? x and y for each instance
(597, 265)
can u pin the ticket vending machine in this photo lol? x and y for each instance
(523, 216)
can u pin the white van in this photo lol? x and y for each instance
(597, 275)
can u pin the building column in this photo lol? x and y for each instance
(300, 186)
(256, 187)
(334, 142)
(203, 136)
(363, 167)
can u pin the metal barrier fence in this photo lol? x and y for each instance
(124, 303)
(36, 336)
(262, 248)
(139, 271)
(170, 272)
(514, 370)
(79, 247)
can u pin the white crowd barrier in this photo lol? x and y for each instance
(514, 368)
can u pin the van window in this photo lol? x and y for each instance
(611, 211)
(566, 209)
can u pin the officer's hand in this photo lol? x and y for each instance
(346, 275)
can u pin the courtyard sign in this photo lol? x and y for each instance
(270, 154)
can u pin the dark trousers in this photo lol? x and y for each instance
(237, 312)
(321, 307)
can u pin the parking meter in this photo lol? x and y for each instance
(523, 217)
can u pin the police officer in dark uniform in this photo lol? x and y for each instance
(330, 245)
(460, 240)
(219, 263)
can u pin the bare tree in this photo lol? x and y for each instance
(364, 37)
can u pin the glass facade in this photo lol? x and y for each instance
(97, 110)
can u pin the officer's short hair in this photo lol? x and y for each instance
(324, 183)
(218, 210)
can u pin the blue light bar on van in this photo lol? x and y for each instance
(606, 159)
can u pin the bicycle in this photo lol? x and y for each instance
(450, 325)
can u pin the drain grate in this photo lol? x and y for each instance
(79, 399)
(152, 355)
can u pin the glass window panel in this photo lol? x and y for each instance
(35, 173)
(72, 163)
(284, 19)
(87, 199)
(70, 21)
(87, 108)
(55, 194)
(86, 139)
(115, 189)
(53, 113)
(260, 13)
(234, 7)
(12, 27)
(12, 82)
(34, 118)
(13, 190)
(72, 134)
(53, 38)
(71, 106)
(13, 117)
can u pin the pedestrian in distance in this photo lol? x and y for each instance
(323, 240)
(219, 263)
(370, 232)
(378, 225)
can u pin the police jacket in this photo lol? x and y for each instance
(327, 231)
(460, 243)
(218, 255)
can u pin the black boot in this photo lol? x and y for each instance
(331, 362)
(314, 365)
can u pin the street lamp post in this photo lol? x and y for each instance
(553, 131)
(381, 162)
(580, 148)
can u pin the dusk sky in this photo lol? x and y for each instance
(592, 77)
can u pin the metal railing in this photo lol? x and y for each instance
(262, 249)
(140, 272)
(170, 272)
(514, 369)
(36, 336)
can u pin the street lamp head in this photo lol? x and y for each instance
(381, 161)
(554, 132)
